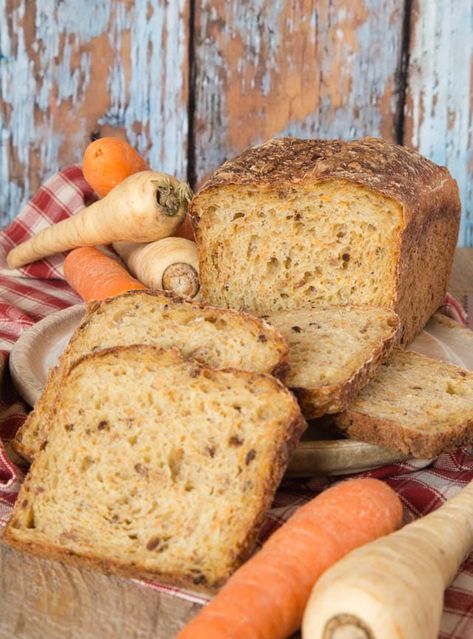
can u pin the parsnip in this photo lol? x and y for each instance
(393, 588)
(171, 264)
(146, 206)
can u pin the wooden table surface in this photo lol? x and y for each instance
(42, 599)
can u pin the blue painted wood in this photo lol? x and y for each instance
(439, 120)
(70, 69)
(308, 68)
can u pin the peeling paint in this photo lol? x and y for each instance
(66, 72)
(301, 68)
(439, 113)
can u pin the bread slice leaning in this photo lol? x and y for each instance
(417, 405)
(218, 338)
(334, 351)
(157, 467)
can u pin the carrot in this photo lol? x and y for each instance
(146, 206)
(108, 161)
(171, 264)
(186, 230)
(266, 597)
(393, 588)
(96, 276)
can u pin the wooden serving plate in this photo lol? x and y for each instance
(322, 450)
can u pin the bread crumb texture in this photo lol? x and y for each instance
(418, 405)
(216, 337)
(328, 243)
(172, 483)
(293, 224)
(333, 352)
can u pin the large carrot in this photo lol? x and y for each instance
(265, 598)
(146, 206)
(393, 587)
(96, 276)
(108, 161)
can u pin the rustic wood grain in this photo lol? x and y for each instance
(326, 68)
(70, 70)
(439, 120)
(42, 599)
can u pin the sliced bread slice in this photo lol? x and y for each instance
(157, 467)
(334, 351)
(216, 337)
(417, 405)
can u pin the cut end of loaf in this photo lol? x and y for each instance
(285, 248)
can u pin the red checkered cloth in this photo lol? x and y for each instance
(33, 292)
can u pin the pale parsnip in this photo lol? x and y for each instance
(146, 206)
(171, 264)
(393, 587)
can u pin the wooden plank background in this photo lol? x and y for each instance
(192, 83)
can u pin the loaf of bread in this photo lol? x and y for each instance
(157, 467)
(216, 337)
(334, 351)
(297, 224)
(417, 405)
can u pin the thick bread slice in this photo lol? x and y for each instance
(417, 405)
(157, 467)
(334, 352)
(216, 337)
(294, 223)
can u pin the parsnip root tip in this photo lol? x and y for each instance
(182, 279)
(346, 627)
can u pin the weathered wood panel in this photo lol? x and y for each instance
(439, 121)
(69, 70)
(326, 68)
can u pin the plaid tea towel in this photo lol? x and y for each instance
(31, 293)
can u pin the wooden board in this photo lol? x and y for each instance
(70, 72)
(439, 119)
(49, 600)
(303, 67)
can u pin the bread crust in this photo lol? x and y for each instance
(55, 377)
(18, 536)
(426, 193)
(366, 428)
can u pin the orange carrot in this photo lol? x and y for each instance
(96, 276)
(108, 161)
(186, 230)
(265, 598)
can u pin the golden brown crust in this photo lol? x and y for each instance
(426, 192)
(392, 170)
(367, 428)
